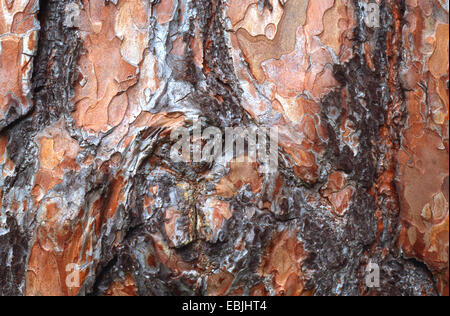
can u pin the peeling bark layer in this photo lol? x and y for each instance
(90, 92)
(18, 38)
(424, 152)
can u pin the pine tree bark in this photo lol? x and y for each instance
(90, 92)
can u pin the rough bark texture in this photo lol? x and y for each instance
(90, 91)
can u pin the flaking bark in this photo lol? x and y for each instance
(87, 178)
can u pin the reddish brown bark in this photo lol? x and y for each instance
(86, 177)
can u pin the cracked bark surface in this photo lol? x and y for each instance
(90, 92)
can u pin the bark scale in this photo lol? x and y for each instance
(90, 92)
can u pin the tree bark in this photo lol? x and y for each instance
(90, 92)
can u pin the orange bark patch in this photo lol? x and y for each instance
(114, 196)
(10, 72)
(114, 46)
(132, 29)
(316, 10)
(219, 283)
(240, 174)
(259, 48)
(4, 139)
(336, 21)
(196, 45)
(237, 8)
(57, 250)
(18, 27)
(170, 121)
(338, 193)
(422, 176)
(259, 290)
(305, 166)
(57, 155)
(263, 23)
(283, 261)
(126, 287)
(438, 63)
(178, 46)
(164, 11)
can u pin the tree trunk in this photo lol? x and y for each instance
(93, 203)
